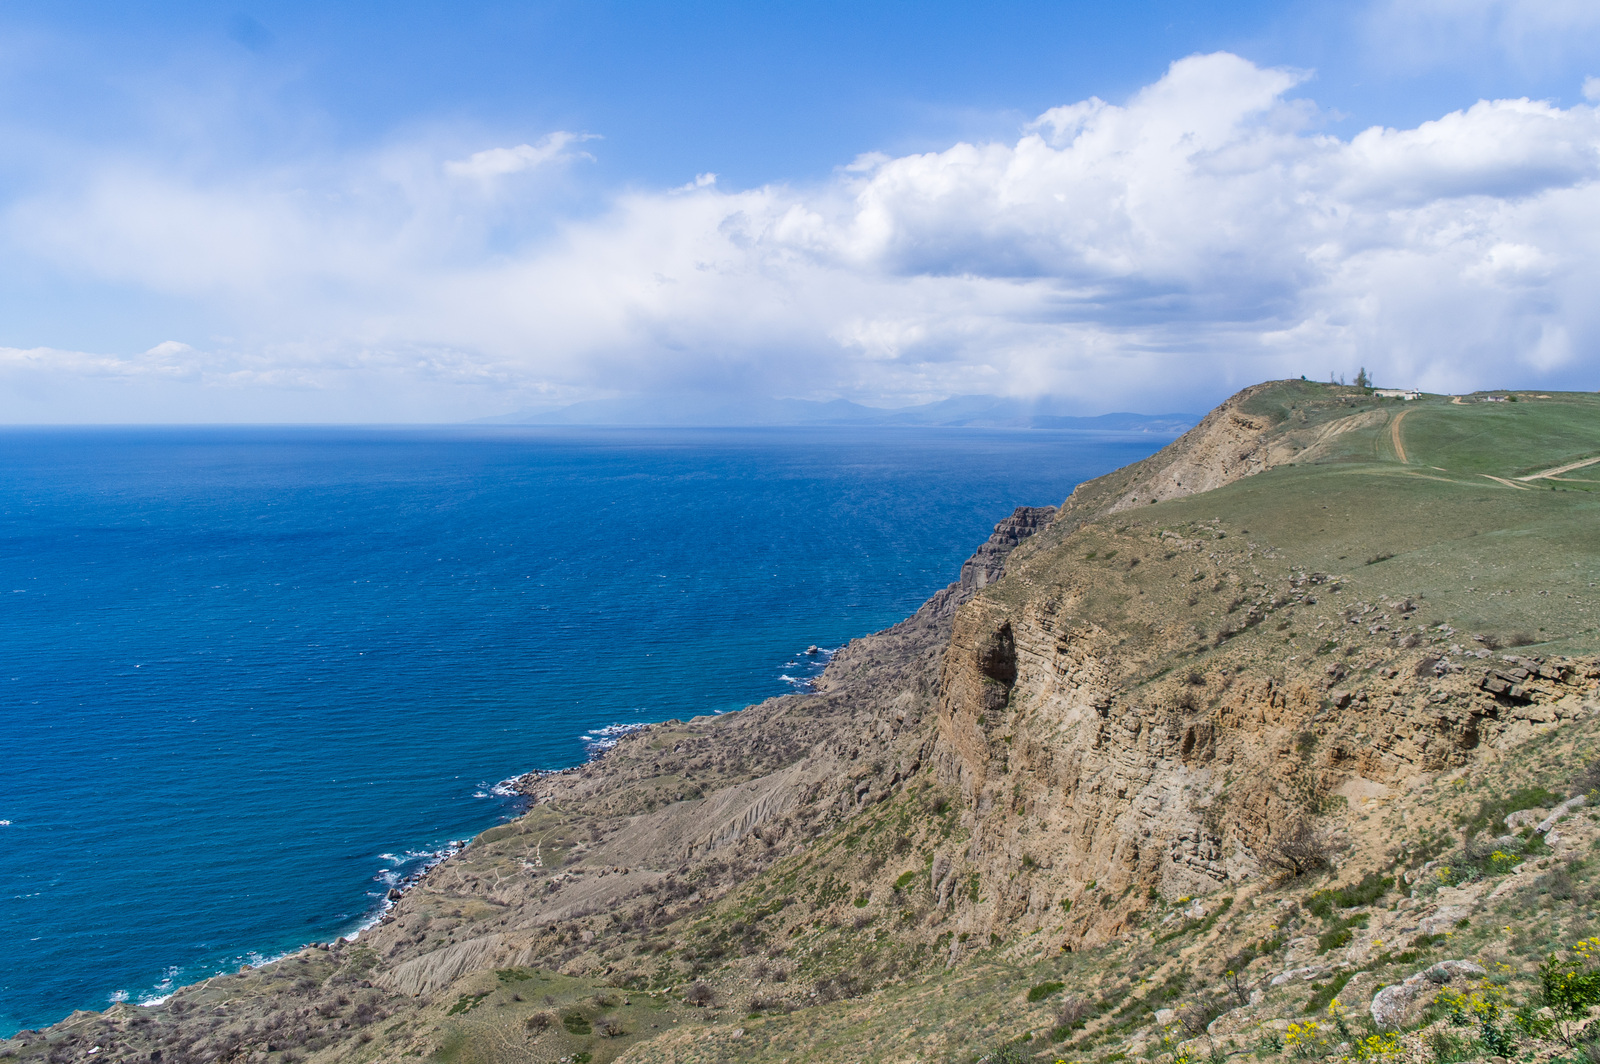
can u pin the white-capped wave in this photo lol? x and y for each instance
(261, 960)
(399, 878)
(599, 740)
(162, 990)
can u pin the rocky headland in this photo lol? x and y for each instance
(1293, 722)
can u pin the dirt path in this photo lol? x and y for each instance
(1394, 435)
(1507, 483)
(1558, 470)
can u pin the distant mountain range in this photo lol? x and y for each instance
(963, 411)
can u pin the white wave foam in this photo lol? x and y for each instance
(261, 960)
(600, 740)
(162, 990)
(393, 879)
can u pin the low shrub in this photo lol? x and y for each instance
(1373, 886)
(1492, 812)
(1300, 849)
(1074, 1013)
(1201, 925)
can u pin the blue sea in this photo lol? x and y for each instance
(251, 677)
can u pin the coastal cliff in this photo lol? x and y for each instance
(1115, 760)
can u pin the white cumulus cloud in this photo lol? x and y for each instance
(498, 162)
(1203, 234)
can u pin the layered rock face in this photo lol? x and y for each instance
(987, 564)
(1084, 786)
(1125, 722)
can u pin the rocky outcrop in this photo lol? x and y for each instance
(1089, 766)
(1399, 1005)
(987, 563)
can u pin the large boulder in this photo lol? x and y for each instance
(1443, 920)
(1401, 1005)
(1560, 811)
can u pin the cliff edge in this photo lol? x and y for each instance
(1162, 766)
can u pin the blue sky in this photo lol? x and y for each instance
(427, 212)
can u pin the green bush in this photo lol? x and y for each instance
(465, 1003)
(1201, 925)
(1044, 990)
(1451, 1048)
(1321, 996)
(1265, 947)
(1010, 1053)
(1572, 985)
(1491, 814)
(1373, 886)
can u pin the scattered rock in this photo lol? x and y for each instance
(1400, 1005)
(1232, 1021)
(1292, 974)
(1560, 811)
(1443, 920)
(1394, 1005)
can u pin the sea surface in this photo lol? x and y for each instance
(251, 677)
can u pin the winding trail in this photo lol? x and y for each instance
(1394, 436)
(1558, 470)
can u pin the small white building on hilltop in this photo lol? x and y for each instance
(1406, 394)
